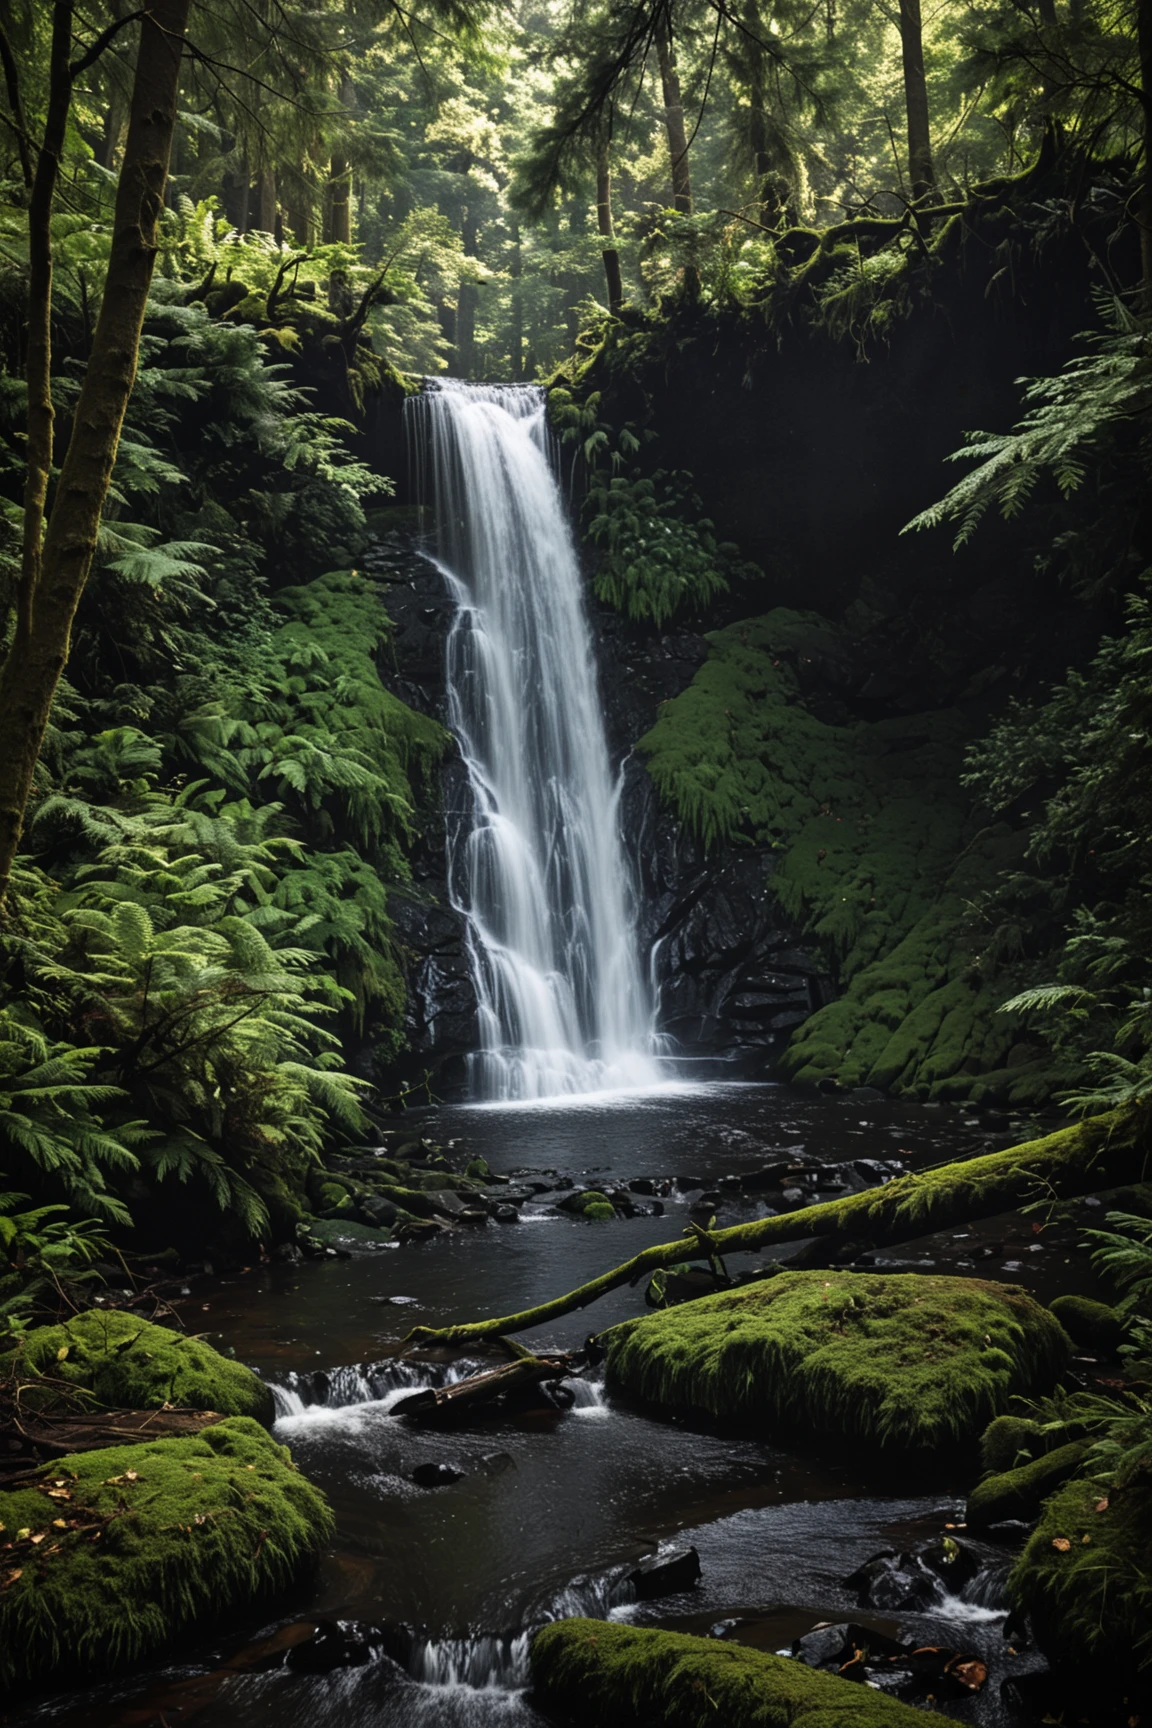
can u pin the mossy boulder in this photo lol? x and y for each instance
(1085, 1579)
(129, 1364)
(1011, 1440)
(617, 1676)
(1020, 1492)
(1092, 1325)
(112, 1554)
(590, 1203)
(893, 1360)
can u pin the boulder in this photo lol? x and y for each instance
(623, 1675)
(1021, 1492)
(111, 1555)
(335, 1644)
(895, 1360)
(665, 1574)
(1091, 1325)
(1084, 1578)
(126, 1363)
(436, 1475)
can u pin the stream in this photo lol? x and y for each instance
(554, 1506)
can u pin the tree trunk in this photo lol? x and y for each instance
(916, 99)
(38, 359)
(516, 344)
(1144, 211)
(339, 213)
(40, 646)
(467, 300)
(1105, 1152)
(674, 120)
(607, 229)
(266, 205)
(767, 194)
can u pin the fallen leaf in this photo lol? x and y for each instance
(62, 1353)
(1101, 1505)
(131, 1476)
(17, 1572)
(1062, 1543)
(59, 1494)
(970, 1675)
(59, 1524)
(23, 1535)
(1085, 1538)
(39, 1537)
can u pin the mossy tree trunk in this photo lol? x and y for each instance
(674, 118)
(609, 251)
(1144, 217)
(54, 570)
(1102, 1153)
(920, 167)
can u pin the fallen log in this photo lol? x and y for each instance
(31, 1435)
(449, 1403)
(1103, 1152)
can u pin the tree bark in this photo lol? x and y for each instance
(266, 205)
(674, 120)
(607, 227)
(38, 360)
(39, 649)
(1103, 1153)
(1144, 209)
(916, 100)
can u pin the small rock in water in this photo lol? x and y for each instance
(506, 1215)
(666, 1574)
(400, 1301)
(436, 1475)
(721, 1628)
(334, 1644)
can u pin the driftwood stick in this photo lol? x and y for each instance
(445, 1403)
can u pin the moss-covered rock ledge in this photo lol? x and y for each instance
(892, 1360)
(110, 1555)
(130, 1364)
(1085, 1580)
(617, 1676)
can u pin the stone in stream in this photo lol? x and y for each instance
(436, 1475)
(894, 1361)
(505, 1215)
(335, 1644)
(666, 1574)
(626, 1673)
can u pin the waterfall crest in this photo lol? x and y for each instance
(536, 865)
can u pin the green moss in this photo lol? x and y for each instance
(1010, 1440)
(157, 1537)
(624, 1675)
(878, 856)
(129, 1364)
(599, 1209)
(1092, 1599)
(893, 1360)
(1092, 1325)
(1020, 1492)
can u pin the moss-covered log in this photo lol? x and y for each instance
(1105, 1152)
(1020, 1492)
(112, 1554)
(886, 1359)
(615, 1676)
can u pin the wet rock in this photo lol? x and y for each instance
(286, 1254)
(666, 1574)
(378, 1211)
(335, 1644)
(436, 1475)
(892, 1582)
(506, 1214)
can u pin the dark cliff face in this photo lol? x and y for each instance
(730, 974)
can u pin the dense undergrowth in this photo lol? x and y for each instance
(972, 870)
(199, 924)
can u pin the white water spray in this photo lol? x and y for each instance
(537, 864)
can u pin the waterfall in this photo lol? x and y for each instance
(536, 864)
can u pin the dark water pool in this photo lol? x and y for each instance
(552, 1505)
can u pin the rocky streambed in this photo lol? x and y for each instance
(579, 1501)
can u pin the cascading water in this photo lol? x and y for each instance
(537, 864)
